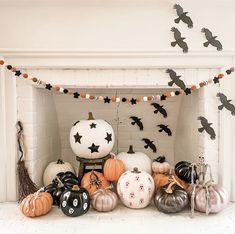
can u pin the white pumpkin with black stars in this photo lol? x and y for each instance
(92, 138)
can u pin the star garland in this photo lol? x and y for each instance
(107, 99)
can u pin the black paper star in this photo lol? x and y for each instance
(48, 86)
(93, 125)
(187, 91)
(107, 100)
(108, 137)
(163, 97)
(18, 73)
(76, 95)
(133, 101)
(94, 148)
(77, 138)
(216, 80)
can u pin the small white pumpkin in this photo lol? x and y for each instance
(92, 138)
(160, 165)
(133, 159)
(54, 168)
(135, 188)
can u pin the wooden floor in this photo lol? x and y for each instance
(121, 221)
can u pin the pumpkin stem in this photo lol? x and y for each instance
(131, 151)
(75, 187)
(169, 188)
(136, 170)
(60, 161)
(90, 116)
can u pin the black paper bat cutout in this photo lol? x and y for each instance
(159, 108)
(211, 39)
(225, 103)
(206, 127)
(182, 16)
(137, 121)
(165, 129)
(179, 40)
(175, 79)
(149, 144)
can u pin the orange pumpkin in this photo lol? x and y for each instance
(160, 180)
(36, 204)
(113, 169)
(94, 180)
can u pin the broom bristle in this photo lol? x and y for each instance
(26, 185)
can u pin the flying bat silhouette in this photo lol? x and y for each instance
(211, 39)
(159, 108)
(137, 121)
(149, 144)
(179, 40)
(175, 79)
(165, 129)
(225, 103)
(206, 127)
(182, 16)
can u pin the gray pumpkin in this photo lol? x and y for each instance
(171, 198)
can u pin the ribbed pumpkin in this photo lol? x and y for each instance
(160, 165)
(94, 180)
(36, 204)
(113, 168)
(104, 200)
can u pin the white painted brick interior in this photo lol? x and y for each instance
(48, 117)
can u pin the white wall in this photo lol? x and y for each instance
(111, 25)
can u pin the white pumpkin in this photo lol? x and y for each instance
(135, 188)
(92, 138)
(54, 168)
(133, 159)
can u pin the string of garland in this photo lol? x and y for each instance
(109, 99)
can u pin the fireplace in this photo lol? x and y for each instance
(48, 116)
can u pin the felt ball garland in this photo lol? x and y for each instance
(114, 99)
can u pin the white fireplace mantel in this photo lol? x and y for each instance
(67, 59)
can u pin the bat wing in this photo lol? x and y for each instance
(134, 118)
(177, 34)
(182, 44)
(217, 44)
(140, 124)
(181, 84)
(186, 19)
(156, 105)
(163, 112)
(204, 121)
(211, 132)
(171, 73)
(146, 141)
(168, 131)
(153, 147)
(179, 9)
(231, 108)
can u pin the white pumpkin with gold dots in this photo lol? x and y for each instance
(135, 188)
(133, 159)
(92, 138)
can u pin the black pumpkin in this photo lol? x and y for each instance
(185, 170)
(75, 202)
(171, 198)
(63, 181)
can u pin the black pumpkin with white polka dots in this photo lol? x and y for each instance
(75, 202)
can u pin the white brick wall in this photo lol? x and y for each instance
(48, 117)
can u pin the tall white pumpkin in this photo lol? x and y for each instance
(92, 138)
(135, 188)
(53, 169)
(133, 159)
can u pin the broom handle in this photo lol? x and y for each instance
(20, 139)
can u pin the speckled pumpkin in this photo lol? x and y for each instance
(36, 204)
(135, 188)
(94, 180)
(104, 200)
(113, 168)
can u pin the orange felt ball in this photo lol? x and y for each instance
(25, 75)
(150, 98)
(221, 76)
(168, 94)
(194, 87)
(56, 88)
(1, 62)
(138, 99)
(83, 95)
(113, 98)
(34, 79)
(92, 97)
